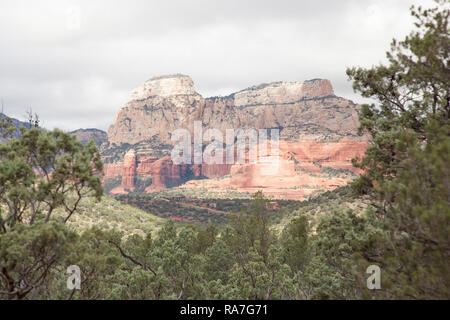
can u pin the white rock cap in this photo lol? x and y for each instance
(164, 86)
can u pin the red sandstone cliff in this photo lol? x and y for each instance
(300, 169)
(317, 133)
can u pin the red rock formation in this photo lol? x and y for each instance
(317, 132)
(129, 170)
(112, 170)
(165, 173)
(300, 169)
(162, 171)
(164, 104)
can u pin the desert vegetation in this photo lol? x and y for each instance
(53, 213)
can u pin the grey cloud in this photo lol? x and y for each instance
(77, 72)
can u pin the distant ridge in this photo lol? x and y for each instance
(84, 135)
(17, 123)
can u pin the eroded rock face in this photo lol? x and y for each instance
(283, 92)
(163, 172)
(157, 107)
(164, 86)
(316, 128)
(298, 170)
(129, 170)
(160, 106)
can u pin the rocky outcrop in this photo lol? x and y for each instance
(157, 108)
(129, 170)
(283, 92)
(85, 135)
(318, 133)
(162, 171)
(162, 105)
(164, 86)
(297, 171)
(165, 174)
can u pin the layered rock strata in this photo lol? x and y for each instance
(317, 130)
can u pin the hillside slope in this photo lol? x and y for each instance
(340, 199)
(16, 123)
(84, 135)
(112, 214)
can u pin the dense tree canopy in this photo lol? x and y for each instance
(39, 172)
(412, 92)
(407, 165)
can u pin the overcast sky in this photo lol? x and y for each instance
(76, 62)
